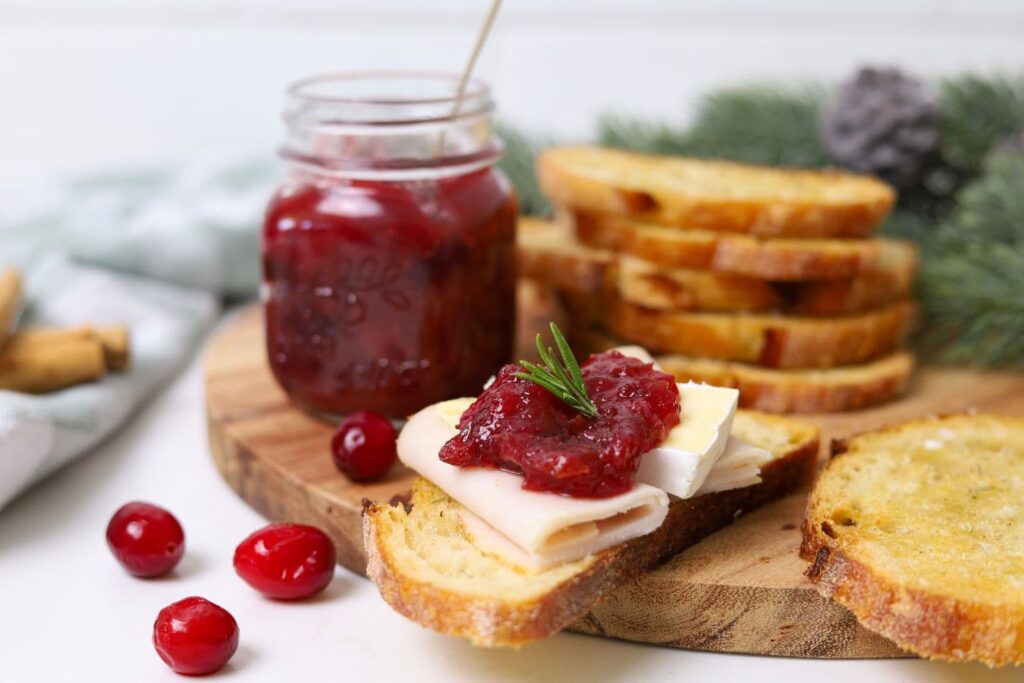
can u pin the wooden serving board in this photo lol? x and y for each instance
(740, 590)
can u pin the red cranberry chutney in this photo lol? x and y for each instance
(389, 252)
(517, 426)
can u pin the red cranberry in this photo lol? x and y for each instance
(147, 540)
(364, 446)
(194, 636)
(286, 561)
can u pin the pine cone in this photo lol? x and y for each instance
(882, 122)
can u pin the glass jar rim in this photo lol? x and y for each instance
(382, 97)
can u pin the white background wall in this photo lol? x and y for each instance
(100, 83)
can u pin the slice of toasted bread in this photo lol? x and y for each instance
(428, 569)
(772, 341)
(549, 254)
(787, 260)
(779, 391)
(677, 289)
(714, 195)
(917, 530)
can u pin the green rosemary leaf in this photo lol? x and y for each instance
(564, 379)
(567, 356)
(533, 369)
(560, 373)
(547, 357)
(553, 387)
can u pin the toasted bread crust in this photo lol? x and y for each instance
(689, 193)
(766, 340)
(494, 623)
(785, 260)
(780, 391)
(546, 255)
(795, 391)
(550, 255)
(689, 290)
(927, 624)
(639, 283)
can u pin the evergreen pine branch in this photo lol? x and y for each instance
(976, 112)
(518, 164)
(971, 284)
(614, 130)
(908, 225)
(993, 208)
(760, 124)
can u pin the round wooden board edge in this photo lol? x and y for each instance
(281, 495)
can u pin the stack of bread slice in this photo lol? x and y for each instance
(765, 279)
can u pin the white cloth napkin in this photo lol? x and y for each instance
(154, 251)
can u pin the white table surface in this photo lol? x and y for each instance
(69, 613)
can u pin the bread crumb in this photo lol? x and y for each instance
(933, 444)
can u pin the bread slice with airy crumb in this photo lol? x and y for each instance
(547, 253)
(714, 195)
(551, 255)
(768, 340)
(770, 390)
(429, 570)
(778, 259)
(918, 530)
(676, 289)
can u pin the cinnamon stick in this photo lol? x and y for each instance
(10, 300)
(114, 339)
(42, 368)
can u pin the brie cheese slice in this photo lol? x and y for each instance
(739, 466)
(547, 528)
(682, 462)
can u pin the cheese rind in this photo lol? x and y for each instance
(548, 527)
(682, 462)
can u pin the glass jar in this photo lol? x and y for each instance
(389, 251)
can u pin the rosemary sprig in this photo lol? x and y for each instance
(564, 379)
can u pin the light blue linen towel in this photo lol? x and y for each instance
(196, 225)
(154, 251)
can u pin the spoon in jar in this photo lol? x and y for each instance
(467, 72)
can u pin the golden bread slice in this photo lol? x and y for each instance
(779, 391)
(678, 289)
(772, 341)
(714, 195)
(429, 570)
(549, 254)
(918, 530)
(780, 259)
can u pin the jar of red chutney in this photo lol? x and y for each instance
(389, 251)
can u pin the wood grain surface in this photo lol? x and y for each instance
(741, 590)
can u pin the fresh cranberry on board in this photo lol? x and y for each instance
(146, 539)
(194, 636)
(364, 447)
(286, 561)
